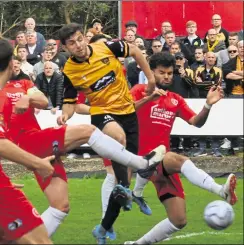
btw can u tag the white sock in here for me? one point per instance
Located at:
(158, 233)
(200, 178)
(139, 186)
(52, 218)
(107, 188)
(109, 148)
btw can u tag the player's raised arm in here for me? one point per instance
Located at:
(214, 95)
(34, 98)
(136, 53)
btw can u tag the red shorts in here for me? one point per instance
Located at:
(167, 184)
(107, 162)
(40, 143)
(17, 215)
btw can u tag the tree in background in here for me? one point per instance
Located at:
(50, 16)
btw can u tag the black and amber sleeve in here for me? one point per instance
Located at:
(118, 48)
(70, 93)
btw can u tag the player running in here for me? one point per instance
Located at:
(25, 131)
(19, 221)
(156, 115)
(95, 70)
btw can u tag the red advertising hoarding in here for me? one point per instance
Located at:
(149, 15)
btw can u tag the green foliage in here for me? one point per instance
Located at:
(51, 15)
(85, 213)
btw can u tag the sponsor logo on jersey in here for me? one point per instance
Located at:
(174, 102)
(15, 224)
(103, 82)
(162, 114)
(14, 96)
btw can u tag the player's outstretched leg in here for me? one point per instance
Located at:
(137, 195)
(175, 163)
(107, 147)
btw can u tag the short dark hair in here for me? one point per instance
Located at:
(68, 30)
(6, 53)
(164, 59)
(97, 37)
(16, 57)
(21, 46)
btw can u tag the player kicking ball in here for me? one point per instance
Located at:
(25, 131)
(156, 114)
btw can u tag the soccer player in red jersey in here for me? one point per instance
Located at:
(25, 131)
(19, 220)
(156, 115)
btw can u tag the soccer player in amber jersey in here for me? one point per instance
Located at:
(19, 220)
(156, 115)
(25, 131)
(95, 70)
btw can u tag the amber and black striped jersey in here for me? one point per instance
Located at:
(209, 78)
(101, 79)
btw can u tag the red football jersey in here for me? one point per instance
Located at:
(15, 89)
(156, 118)
(5, 114)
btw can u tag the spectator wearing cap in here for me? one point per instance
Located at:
(183, 78)
(132, 25)
(192, 41)
(165, 26)
(224, 56)
(221, 33)
(57, 58)
(97, 25)
(213, 44)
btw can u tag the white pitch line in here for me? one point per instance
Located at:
(202, 233)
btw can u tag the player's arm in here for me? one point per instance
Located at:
(136, 53)
(214, 95)
(34, 98)
(140, 97)
(69, 101)
(123, 49)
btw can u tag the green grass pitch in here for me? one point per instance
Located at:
(85, 213)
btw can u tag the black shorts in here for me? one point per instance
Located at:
(128, 122)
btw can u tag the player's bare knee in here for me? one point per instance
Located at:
(86, 130)
(120, 137)
(62, 206)
(179, 221)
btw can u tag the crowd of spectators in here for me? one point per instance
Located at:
(215, 59)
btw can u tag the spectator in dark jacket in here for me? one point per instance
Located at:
(51, 84)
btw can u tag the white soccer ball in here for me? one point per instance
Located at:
(219, 215)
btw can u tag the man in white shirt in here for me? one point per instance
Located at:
(26, 67)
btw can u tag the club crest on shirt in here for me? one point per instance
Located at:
(105, 61)
(17, 85)
(174, 102)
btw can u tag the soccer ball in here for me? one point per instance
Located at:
(219, 215)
